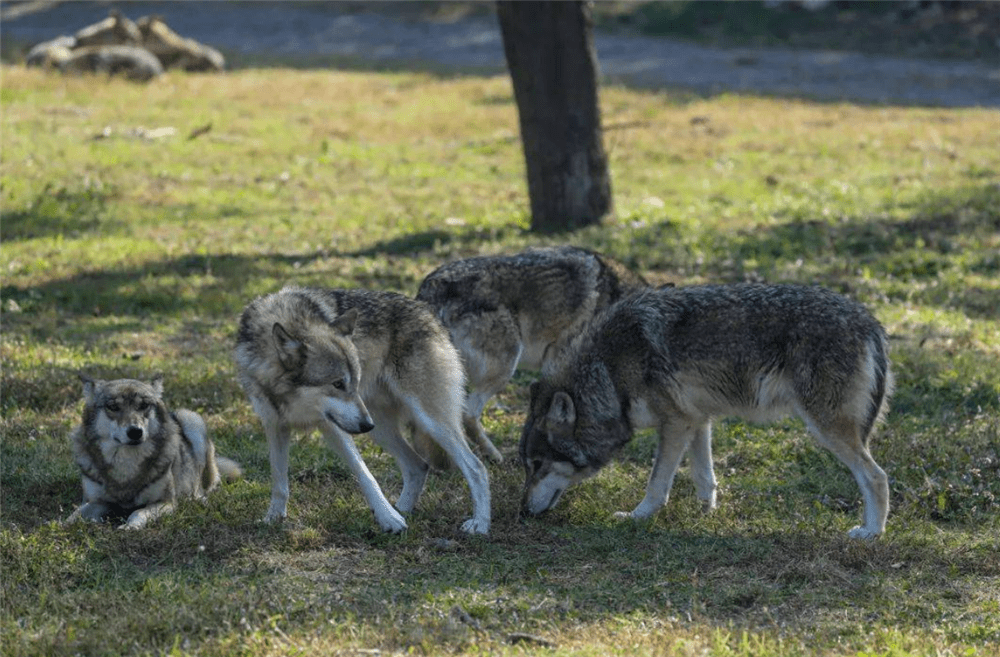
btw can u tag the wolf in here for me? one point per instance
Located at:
(674, 358)
(137, 457)
(510, 311)
(351, 362)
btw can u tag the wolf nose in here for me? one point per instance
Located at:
(134, 435)
(365, 427)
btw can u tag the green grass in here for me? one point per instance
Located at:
(125, 257)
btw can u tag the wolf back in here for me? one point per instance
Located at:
(357, 361)
(676, 357)
(138, 458)
(510, 311)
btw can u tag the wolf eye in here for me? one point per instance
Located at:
(112, 406)
(142, 406)
(339, 384)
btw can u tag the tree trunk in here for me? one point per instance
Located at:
(553, 67)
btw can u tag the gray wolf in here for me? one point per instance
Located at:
(674, 358)
(350, 362)
(137, 457)
(510, 311)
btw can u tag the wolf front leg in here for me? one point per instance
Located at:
(279, 439)
(385, 515)
(90, 511)
(674, 441)
(141, 517)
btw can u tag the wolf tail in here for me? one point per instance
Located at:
(882, 383)
(229, 470)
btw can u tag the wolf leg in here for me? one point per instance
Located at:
(674, 441)
(412, 466)
(449, 436)
(90, 511)
(472, 420)
(341, 443)
(489, 365)
(140, 517)
(702, 471)
(843, 439)
(279, 441)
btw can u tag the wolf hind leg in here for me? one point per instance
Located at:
(473, 423)
(702, 471)
(674, 441)
(343, 445)
(843, 438)
(451, 439)
(489, 367)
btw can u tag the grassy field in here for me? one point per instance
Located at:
(130, 249)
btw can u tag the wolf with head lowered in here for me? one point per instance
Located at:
(674, 358)
(510, 311)
(136, 457)
(351, 362)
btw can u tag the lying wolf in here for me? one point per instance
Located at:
(510, 311)
(351, 362)
(136, 457)
(674, 358)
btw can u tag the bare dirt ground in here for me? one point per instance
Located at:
(301, 33)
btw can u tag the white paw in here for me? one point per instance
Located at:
(863, 534)
(623, 515)
(473, 526)
(273, 517)
(392, 522)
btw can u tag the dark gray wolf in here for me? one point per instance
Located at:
(137, 457)
(349, 362)
(510, 311)
(673, 358)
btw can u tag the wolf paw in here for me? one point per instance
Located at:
(473, 526)
(624, 515)
(273, 518)
(392, 523)
(863, 534)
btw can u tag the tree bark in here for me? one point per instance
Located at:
(553, 66)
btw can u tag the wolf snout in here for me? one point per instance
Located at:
(134, 435)
(365, 426)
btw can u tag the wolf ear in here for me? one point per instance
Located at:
(89, 386)
(562, 414)
(289, 349)
(344, 324)
(157, 384)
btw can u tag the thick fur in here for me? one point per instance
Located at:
(510, 311)
(349, 362)
(138, 458)
(674, 358)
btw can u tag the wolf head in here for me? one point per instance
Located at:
(321, 363)
(126, 411)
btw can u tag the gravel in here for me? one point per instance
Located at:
(293, 29)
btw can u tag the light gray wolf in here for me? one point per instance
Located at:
(510, 311)
(175, 51)
(138, 458)
(350, 362)
(674, 358)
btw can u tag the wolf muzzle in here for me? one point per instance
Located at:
(134, 434)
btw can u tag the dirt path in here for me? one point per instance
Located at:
(304, 29)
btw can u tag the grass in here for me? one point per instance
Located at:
(125, 256)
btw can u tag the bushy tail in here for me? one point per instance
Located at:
(229, 470)
(883, 384)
